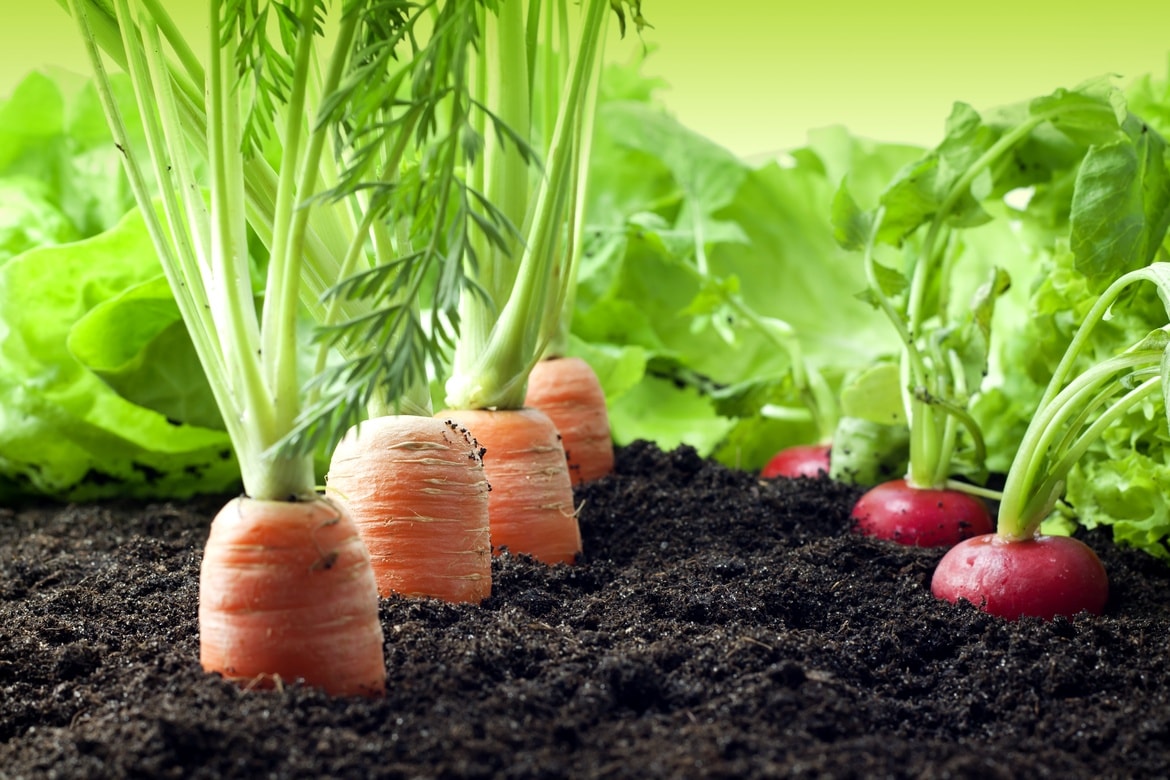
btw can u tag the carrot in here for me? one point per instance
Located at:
(567, 390)
(286, 592)
(530, 506)
(418, 494)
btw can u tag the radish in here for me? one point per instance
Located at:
(1016, 572)
(920, 219)
(926, 508)
(1040, 577)
(920, 517)
(803, 460)
(1118, 218)
(942, 361)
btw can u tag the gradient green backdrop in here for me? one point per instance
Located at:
(757, 75)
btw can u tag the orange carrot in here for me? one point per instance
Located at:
(531, 502)
(418, 494)
(286, 592)
(567, 390)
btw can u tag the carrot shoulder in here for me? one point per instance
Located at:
(418, 494)
(285, 593)
(567, 390)
(531, 501)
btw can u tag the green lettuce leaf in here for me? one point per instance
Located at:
(659, 410)
(30, 219)
(1123, 484)
(137, 344)
(1121, 207)
(63, 431)
(701, 262)
(55, 145)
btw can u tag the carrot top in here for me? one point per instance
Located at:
(340, 155)
(526, 276)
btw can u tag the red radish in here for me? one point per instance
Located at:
(1041, 577)
(1016, 572)
(803, 460)
(920, 517)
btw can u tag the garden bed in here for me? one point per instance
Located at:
(718, 626)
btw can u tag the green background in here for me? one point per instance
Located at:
(756, 75)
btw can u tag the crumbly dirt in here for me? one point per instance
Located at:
(718, 626)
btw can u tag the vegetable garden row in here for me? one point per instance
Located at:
(406, 273)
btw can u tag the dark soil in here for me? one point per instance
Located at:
(718, 627)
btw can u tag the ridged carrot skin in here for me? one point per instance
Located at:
(286, 592)
(531, 501)
(568, 391)
(418, 493)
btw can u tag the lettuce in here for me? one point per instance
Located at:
(676, 227)
(1123, 483)
(60, 173)
(63, 431)
(136, 342)
(98, 381)
(30, 219)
